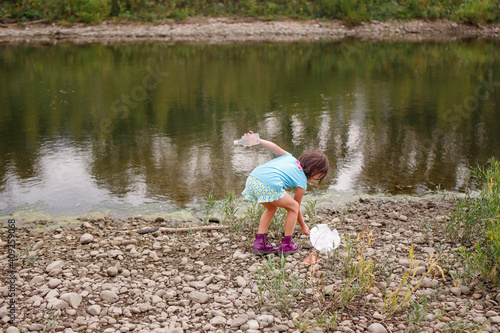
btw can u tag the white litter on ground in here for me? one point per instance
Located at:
(322, 237)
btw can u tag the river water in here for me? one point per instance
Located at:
(86, 126)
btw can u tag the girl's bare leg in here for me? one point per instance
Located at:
(267, 217)
(292, 207)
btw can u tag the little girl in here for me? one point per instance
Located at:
(266, 184)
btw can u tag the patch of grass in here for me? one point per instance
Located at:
(51, 319)
(276, 288)
(327, 320)
(418, 311)
(252, 216)
(310, 207)
(209, 206)
(399, 299)
(229, 210)
(356, 271)
(426, 224)
(28, 259)
(462, 326)
(476, 222)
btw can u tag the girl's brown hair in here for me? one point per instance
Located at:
(313, 163)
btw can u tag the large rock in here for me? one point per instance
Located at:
(52, 294)
(94, 310)
(112, 271)
(35, 327)
(456, 291)
(109, 296)
(34, 300)
(37, 279)
(57, 304)
(38, 245)
(199, 297)
(56, 265)
(218, 321)
(114, 253)
(241, 282)
(157, 299)
(253, 324)
(4, 311)
(198, 284)
(393, 215)
(73, 299)
(265, 320)
(240, 320)
(86, 238)
(428, 283)
(53, 283)
(144, 307)
(377, 328)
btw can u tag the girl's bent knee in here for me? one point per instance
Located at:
(293, 208)
(272, 210)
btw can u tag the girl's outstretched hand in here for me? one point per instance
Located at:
(247, 134)
(305, 229)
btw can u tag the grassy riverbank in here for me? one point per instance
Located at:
(351, 12)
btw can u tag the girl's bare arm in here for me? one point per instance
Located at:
(277, 150)
(299, 193)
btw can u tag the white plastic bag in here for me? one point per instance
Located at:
(322, 237)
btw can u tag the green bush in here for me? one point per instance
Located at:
(352, 12)
(477, 11)
(476, 222)
(355, 11)
(25, 10)
(86, 11)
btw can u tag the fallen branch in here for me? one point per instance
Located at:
(203, 228)
(174, 230)
(34, 22)
(148, 230)
(7, 25)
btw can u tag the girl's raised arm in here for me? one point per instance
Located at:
(277, 150)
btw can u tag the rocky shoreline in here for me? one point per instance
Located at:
(224, 30)
(116, 275)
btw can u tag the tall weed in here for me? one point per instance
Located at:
(476, 221)
(356, 271)
(276, 288)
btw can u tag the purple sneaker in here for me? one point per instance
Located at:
(287, 247)
(261, 246)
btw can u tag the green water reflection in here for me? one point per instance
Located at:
(84, 124)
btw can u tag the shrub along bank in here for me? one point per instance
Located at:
(476, 221)
(352, 12)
